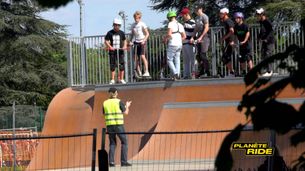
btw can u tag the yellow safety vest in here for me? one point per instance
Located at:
(112, 112)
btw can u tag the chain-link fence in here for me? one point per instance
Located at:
(25, 116)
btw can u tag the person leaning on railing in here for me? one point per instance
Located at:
(114, 110)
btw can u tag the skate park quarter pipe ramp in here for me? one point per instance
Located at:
(156, 106)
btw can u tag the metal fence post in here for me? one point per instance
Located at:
(83, 62)
(102, 154)
(213, 54)
(126, 66)
(70, 63)
(272, 141)
(14, 135)
(93, 149)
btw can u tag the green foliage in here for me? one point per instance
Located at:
(32, 55)
(53, 3)
(50, 4)
(277, 10)
(261, 104)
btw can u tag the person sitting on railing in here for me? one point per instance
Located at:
(114, 110)
(242, 32)
(175, 35)
(115, 41)
(139, 36)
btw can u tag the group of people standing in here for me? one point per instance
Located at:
(192, 35)
(190, 38)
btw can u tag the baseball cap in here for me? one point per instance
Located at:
(224, 10)
(184, 11)
(112, 90)
(260, 11)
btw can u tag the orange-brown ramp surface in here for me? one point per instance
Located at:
(190, 117)
(79, 110)
(202, 147)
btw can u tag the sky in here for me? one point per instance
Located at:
(99, 14)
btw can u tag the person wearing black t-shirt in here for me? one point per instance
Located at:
(267, 38)
(241, 30)
(228, 38)
(115, 41)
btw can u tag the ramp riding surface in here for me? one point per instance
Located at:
(78, 110)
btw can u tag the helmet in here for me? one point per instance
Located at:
(260, 11)
(224, 10)
(171, 14)
(239, 15)
(117, 21)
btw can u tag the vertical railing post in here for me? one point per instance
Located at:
(70, 63)
(131, 66)
(126, 66)
(213, 49)
(272, 140)
(93, 149)
(14, 136)
(83, 62)
(102, 154)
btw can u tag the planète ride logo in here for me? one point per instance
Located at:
(254, 149)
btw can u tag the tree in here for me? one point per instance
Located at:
(32, 54)
(277, 10)
(264, 110)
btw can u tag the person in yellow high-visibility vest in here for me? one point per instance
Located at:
(114, 111)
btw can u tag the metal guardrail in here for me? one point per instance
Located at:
(197, 150)
(88, 60)
(25, 147)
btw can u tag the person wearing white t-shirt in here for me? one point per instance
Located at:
(174, 37)
(139, 37)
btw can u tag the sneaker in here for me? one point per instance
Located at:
(230, 75)
(176, 77)
(146, 74)
(111, 165)
(111, 82)
(123, 81)
(203, 75)
(126, 164)
(136, 74)
(267, 74)
(243, 73)
(193, 76)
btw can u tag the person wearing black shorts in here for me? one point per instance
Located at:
(229, 40)
(115, 40)
(139, 37)
(241, 30)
